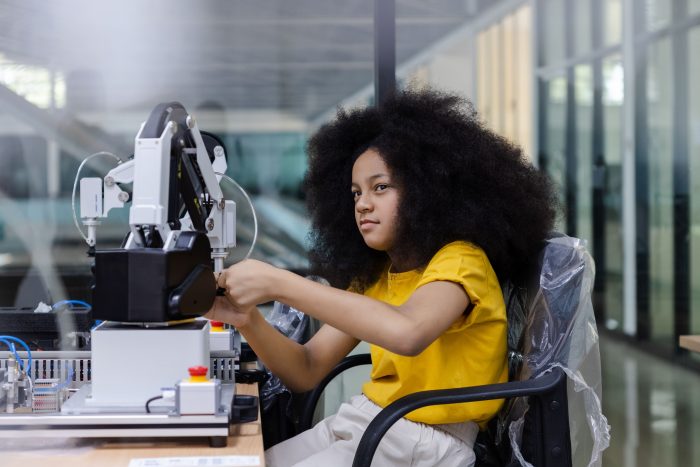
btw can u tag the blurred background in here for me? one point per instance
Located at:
(601, 94)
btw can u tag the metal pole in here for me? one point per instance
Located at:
(384, 49)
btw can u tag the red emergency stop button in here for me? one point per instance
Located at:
(198, 374)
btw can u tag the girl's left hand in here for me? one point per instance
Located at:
(223, 310)
(249, 283)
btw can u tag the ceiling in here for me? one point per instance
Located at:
(300, 57)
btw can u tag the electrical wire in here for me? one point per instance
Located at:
(148, 402)
(69, 378)
(75, 185)
(72, 302)
(13, 350)
(252, 209)
(28, 368)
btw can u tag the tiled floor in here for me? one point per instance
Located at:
(653, 408)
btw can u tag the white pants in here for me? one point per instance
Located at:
(333, 441)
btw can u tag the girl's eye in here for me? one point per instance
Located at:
(381, 187)
(355, 194)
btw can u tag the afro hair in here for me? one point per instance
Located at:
(459, 181)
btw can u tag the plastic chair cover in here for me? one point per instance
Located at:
(557, 328)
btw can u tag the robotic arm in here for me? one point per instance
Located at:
(179, 223)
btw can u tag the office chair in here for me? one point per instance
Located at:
(551, 331)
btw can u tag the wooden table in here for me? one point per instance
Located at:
(245, 440)
(690, 343)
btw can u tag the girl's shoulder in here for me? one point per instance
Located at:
(460, 256)
(464, 263)
(459, 248)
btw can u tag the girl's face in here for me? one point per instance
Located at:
(376, 198)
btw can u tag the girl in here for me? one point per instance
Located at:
(417, 212)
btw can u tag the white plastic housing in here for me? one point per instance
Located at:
(201, 398)
(132, 364)
(221, 340)
(90, 197)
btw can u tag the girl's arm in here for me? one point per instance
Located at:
(300, 367)
(406, 330)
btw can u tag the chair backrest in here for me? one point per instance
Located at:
(565, 280)
(542, 324)
(542, 312)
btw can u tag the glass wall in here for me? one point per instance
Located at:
(504, 77)
(580, 133)
(581, 146)
(693, 141)
(660, 187)
(495, 72)
(553, 43)
(583, 31)
(79, 77)
(607, 189)
(583, 92)
(552, 156)
(657, 14)
(612, 22)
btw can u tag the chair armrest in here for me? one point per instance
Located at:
(314, 395)
(393, 412)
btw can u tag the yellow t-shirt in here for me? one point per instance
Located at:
(471, 352)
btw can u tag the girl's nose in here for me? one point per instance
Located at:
(363, 204)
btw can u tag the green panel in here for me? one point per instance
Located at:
(659, 95)
(583, 88)
(613, 96)
(694, 179)
(554, 144)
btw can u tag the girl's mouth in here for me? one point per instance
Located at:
(366, 224)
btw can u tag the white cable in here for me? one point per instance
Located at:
(75, 185)
(31, 387)
(252, 209)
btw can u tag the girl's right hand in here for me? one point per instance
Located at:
(224, 310)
